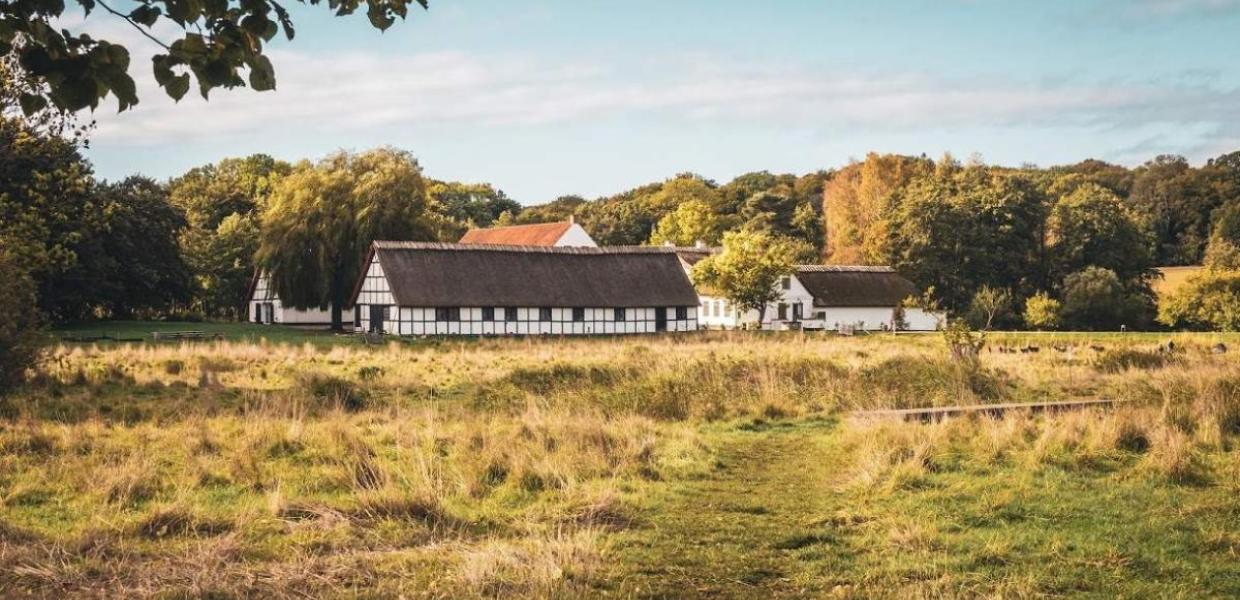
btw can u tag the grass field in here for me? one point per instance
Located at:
(292, 464)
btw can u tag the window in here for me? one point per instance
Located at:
(783, 311)
(579, 314)
(488, 313)
(544, 314)
(619, 314)
(785, 282)
(510, 314)
(682, 313)
(448, 313)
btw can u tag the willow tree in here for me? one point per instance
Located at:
(322, 218)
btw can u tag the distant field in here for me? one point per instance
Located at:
(238, 332)
(722, 464)
(1173, 278)
(250, 332)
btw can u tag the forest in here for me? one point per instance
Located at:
(1072, 246)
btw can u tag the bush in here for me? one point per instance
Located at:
(1115, 361)
(335, 390)
(19, 323)
(1209, 300)
(1042, 312)
(1096, 299)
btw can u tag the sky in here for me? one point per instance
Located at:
(544, 98)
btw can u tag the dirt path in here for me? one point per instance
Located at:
(742, 531)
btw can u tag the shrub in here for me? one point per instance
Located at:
(20, 342)
(1042, 311)
(1122, 359)
(335, 390)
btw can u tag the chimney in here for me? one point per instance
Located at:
(572, 219)
(699, 244)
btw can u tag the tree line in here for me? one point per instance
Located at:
(1069, 246)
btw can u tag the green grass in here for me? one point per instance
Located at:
(236, 332)
(776, 517)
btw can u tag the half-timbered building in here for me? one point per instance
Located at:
(263, 306)
(425, 288)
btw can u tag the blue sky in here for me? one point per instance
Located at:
(591, 97)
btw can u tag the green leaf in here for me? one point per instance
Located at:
(262, 74)
(145, 14)
(163, 69)
(32, 103)
(178, 86)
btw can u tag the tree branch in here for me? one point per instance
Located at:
(140, 29)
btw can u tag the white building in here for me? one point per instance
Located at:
(422, 288)
(264, 306)
(835, 298)
(563, 234)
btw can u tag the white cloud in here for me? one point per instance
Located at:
(351, 92)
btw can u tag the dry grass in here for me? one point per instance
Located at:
(500, 468)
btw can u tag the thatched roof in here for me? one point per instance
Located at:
(539, 234)
(692, 255)
(833, 285)
(436, 274)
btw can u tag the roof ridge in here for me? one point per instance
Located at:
(459, 247)
(845, 268)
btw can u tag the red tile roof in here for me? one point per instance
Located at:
(541, 234)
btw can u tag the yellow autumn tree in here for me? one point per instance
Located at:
(856, 202)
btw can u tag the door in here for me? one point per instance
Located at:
(660, 319)
(269, 313)
(796, 311)
(376, 318)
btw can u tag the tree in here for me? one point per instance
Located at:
(988, 306)
(221, 203)
(321, 220)
(470, 204)
(693, 221)
(961, 229)
(138, 266)
(1092, 227)
(1174, 202)
(557, 210)
(1208, 300)
(857, 201)
(1042, 311)
(218, 41)
(1223, 250)
(1096, 299)
(47, 213)
(749, 267)
(19, 320)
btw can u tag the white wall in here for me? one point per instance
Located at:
(862, 318)
(408, 320)
(577, 237)
(917, 319)
(264, 294)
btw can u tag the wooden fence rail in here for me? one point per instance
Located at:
(938, 413)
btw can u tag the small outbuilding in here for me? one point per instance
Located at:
(425, 288)
(830, 297)
(263, 306)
